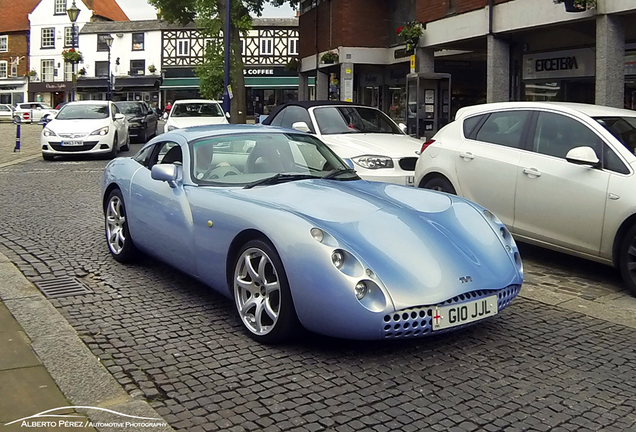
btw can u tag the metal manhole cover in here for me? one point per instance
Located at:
(62, 287)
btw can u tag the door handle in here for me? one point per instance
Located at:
(532, 172)
(467, 156)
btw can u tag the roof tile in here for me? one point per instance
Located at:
(14, 14)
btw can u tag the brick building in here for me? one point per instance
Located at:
(14, 50)
(495, 50)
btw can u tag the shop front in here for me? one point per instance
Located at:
(52, 93)
(13, 91)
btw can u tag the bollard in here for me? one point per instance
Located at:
(17, 120)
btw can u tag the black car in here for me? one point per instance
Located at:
(142, 120)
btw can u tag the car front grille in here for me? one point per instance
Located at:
(417, 321)
(408, 163)
(88, 145)
(72, 135)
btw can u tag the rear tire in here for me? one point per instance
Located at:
(628, 260)
(440, 184)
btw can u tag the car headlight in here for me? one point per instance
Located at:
(171, 127)
(103, 131)
(48, 132)
(361, 290)
(373, 162)
(337, 258)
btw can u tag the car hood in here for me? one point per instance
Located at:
(356, 144)
(77, 126)
(420, 244)
(183, 122)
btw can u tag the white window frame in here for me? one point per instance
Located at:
(68, 71)
(44, 66)
(60, 7)
(68, 36)
(4, 43)
(292, 46)
(183, 47)
(4, 65)
(266, 46)
(50, 30)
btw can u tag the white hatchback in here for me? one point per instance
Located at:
(85, 127)
(366, 138)
(195, 112)
(559, 175)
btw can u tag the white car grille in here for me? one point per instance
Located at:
(72, 135)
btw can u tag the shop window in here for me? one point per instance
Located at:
(48, 37)
(101, 68)
(47, 70)
(3, 69)
(266, 46)
(137, 67)
(557, 134)
(183, 47)
(137, 41)
(503, 128)
(4, 43)
(60, 7)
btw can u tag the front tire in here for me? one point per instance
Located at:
(47, 157)
(118, 237)
(262, 296)
(126, 146)
(113, 152)
(440, 184)
(628, 260)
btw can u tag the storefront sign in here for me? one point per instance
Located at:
(268, 71)
(560, 64)
(259, 72)
(2, 87)
(50, 86)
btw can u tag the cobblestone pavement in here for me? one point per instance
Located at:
(169, 340)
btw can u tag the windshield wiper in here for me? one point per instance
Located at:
(334, 173)
(279, 178)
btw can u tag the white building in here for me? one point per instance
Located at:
(51, 33)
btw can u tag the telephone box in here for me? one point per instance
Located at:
(428, 103)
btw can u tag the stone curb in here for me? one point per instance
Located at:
(83, 380)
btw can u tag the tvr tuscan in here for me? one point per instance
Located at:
(272, 218)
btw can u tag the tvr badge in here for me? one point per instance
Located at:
(465, 279)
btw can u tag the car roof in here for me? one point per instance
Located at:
(307, 105)
(88, 102)
(586, 109)
(196, 132)
(194, 101)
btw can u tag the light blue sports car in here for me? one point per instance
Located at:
(275, 220)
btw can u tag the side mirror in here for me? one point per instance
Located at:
(46, 118)
(119, 116)
(402, 127)
(583, 156)
(165, 116)
(165, 172)
(227, 115)
(301, 126)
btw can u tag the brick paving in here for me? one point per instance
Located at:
(173, 342)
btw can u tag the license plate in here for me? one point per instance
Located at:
(72, 143)
(410, 181)
(464, 313)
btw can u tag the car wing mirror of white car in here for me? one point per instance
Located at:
(165, 172)
(583, 156)
(227, 115)
(301, 126)
(119, 116)
(402, 127)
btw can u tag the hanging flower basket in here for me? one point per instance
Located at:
(31, 73)
(577, 5)
(70, 55)
(329, 57)
(410, 33)
(152, 69)
(82, 72)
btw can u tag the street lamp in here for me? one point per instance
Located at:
(73, 13)
(109, 41)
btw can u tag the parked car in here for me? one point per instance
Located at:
(85, 127)
(366, 138)
(559, 175)
(195, 112)
(273, 219)
(142, 120)
(6, 112)
(33, 111)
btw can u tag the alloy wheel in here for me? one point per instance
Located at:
(115, 221)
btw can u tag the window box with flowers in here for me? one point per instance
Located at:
(577, 5)
(31, 73)
(70, 55)
(410, 34)
(329, 57)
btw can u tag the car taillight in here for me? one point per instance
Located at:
(426, 144)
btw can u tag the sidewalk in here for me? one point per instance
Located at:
(45, 365)
(29, 143)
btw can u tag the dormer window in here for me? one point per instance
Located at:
(60, 7)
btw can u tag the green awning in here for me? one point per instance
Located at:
(180, 83)
(253, 82)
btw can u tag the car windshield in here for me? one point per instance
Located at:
(345, 119)
(249, 159)
(197, 109)
(623, 128)
(83, 112)
(130, 108)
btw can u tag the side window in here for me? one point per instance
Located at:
(612, 162)
(504, 128)
(143, 157)
(470, 123)
(557, 134)
(278, 120)
(295, 114)
(169, 152)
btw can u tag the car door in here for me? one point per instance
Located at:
(120, 125)
(160, 216)
(556, 201)
(486, 162)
